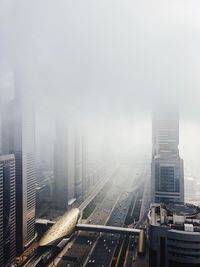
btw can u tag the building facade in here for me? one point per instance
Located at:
(64, 166)
(44, 193)
(174, 235)
(167, 177)
(18, 138)
(78, 166)
(7, 210)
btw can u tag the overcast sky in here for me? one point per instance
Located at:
(106, 60)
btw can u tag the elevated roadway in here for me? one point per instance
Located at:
(107, 229)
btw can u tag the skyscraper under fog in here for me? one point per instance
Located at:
(64, 166)
(18, 136)
(81, 179)
(7, 210)
(167, 181)
(78, 165)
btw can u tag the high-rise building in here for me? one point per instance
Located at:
(165, 131)
(167, 181)
(18, 136)
(44, 193)
(45, 150)
(0, 136)
(85, 182)
(174, 235)
(7, 210)
(78, 165)
(64, 166)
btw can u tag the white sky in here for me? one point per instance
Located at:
(107, 60)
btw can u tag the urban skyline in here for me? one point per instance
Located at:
(99, 133)
(69, 179)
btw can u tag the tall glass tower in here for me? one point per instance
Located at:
(18, 138)
(167, 178)
(7, 210)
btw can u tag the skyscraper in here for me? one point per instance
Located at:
(78, 165)
(167, 181)
(85, 183)
(64, 166)
(18, 136)
(7, 210)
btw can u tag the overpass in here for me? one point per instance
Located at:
(44, 222)
(107, 229)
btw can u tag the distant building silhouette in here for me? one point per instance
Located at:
(7, 210)
(78, 165)
(64, 166)
(167, 181)
(84, 169)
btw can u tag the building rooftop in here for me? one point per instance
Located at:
(6, 157)
(184, 217)
(182, 209)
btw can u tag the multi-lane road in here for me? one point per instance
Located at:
(91, 249)
(33, 255)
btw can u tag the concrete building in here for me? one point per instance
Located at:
(64, 166)
(18, 138)
(85, 183)
(165, 129)
(7, 210)
(45, 151)
(78, 165)
(167, 178)
(0, 135)
(174, 235)
(44, 193)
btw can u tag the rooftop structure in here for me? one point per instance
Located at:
(174, 235)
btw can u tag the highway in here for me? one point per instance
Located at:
(97, 189)
(91, 249)
(83, 243)
(131, 259)
(31, 259)
(99, 216)
(107, 244)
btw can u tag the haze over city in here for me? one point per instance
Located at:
(97, 70)
(105, 60)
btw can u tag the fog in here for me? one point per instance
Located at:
(105, 64)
